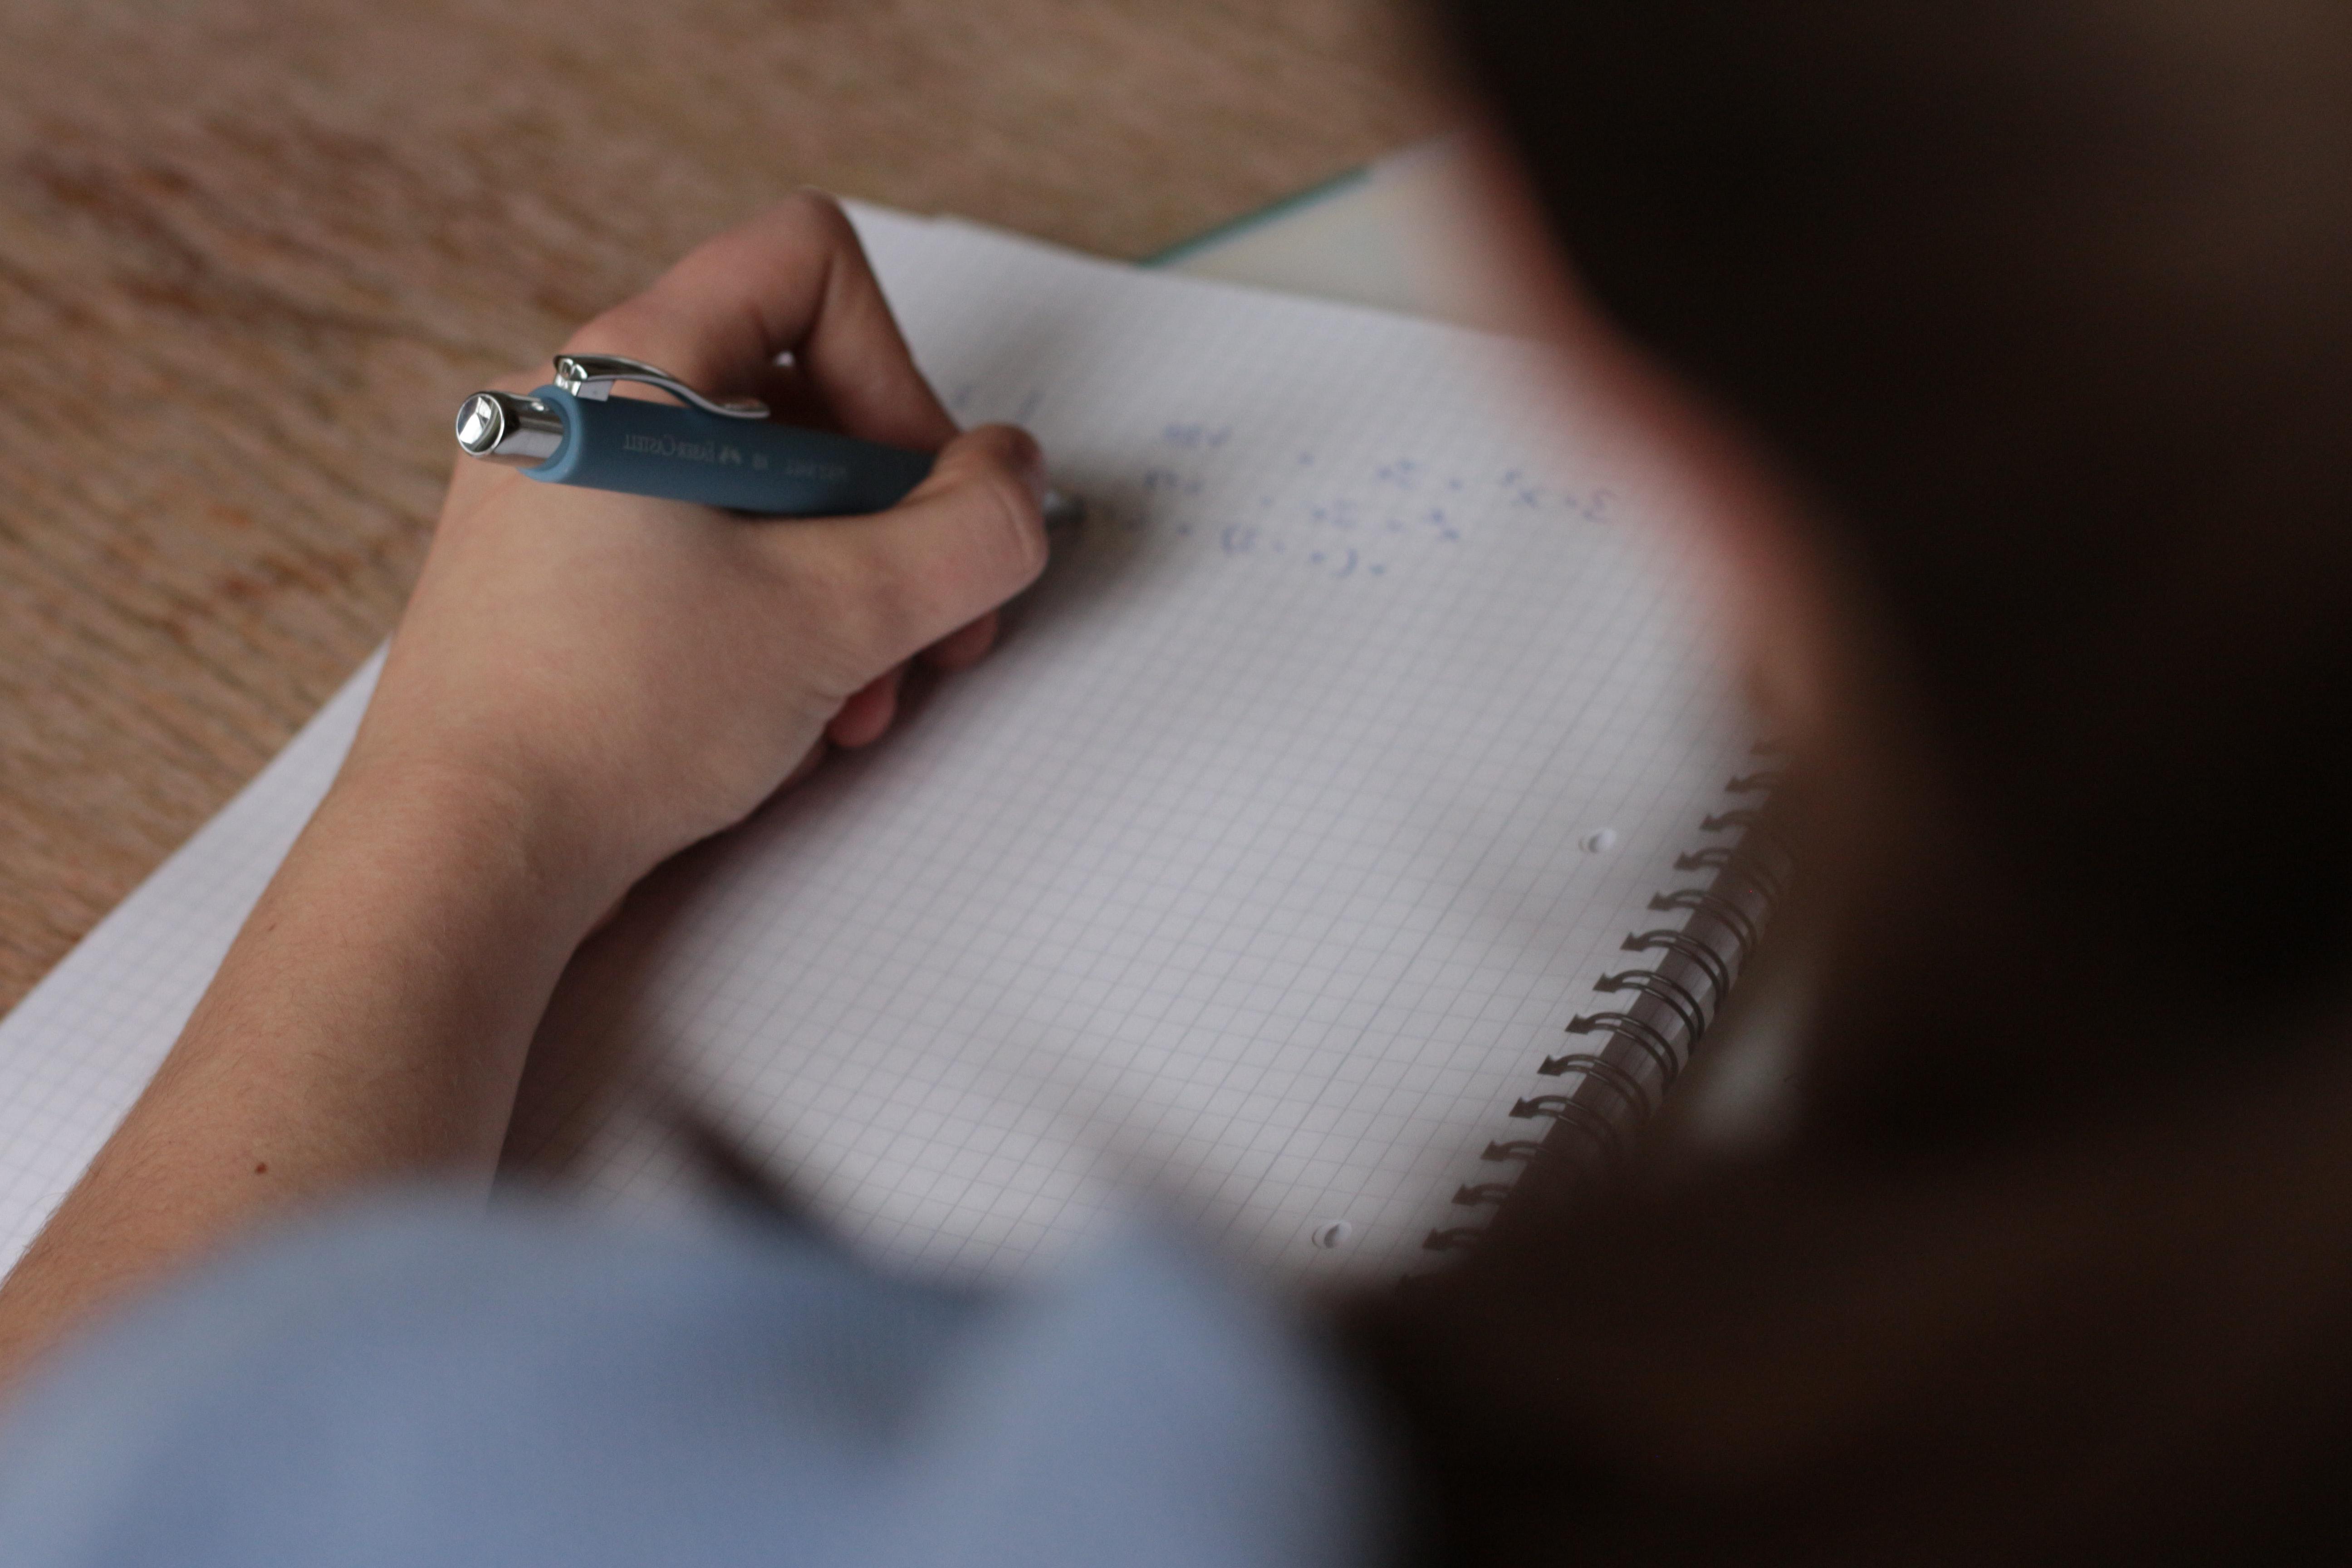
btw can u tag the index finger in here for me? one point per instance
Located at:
(793, 280)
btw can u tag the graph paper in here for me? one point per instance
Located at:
(1249, 881)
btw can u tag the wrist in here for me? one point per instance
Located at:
(483, 837)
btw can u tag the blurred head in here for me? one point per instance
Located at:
(2032, 322)
(2017, 336)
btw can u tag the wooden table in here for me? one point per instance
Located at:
(252, 252)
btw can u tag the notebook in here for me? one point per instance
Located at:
(1254, 880)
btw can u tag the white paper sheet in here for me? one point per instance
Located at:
(1247, 879)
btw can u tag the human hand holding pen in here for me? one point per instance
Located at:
(583, 683)
(662, 667)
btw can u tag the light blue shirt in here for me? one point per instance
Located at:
(415, 1383)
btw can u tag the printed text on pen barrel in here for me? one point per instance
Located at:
(726, 455)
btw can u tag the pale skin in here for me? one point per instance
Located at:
(585, 684)
(582, 685)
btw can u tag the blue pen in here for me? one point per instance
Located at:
(721, 452)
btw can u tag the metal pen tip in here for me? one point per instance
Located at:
(1066, 514)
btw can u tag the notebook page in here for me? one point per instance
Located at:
(74, 1053)
(1247, 881)
(78, 1049)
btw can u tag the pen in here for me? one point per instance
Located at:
(721, 452)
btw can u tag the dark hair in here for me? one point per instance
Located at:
(2046, 302)
(2045, 306)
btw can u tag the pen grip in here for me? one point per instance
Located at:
(756, 466)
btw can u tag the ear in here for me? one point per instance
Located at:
(1780, 602)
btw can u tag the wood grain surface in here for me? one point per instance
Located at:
(252, 254)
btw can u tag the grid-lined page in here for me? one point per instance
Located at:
(76, 1051)
(1250, 874)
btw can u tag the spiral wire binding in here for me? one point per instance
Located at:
(1567, 1110)
(1726, 912)
(1645, 1036)
(1603, 1071)
(1717, 971)
(1617, 1086)
(1733, 862)
(1455, 1240)
(1673, 993)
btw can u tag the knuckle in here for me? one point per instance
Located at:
(1011, 447)
(984, 546)
(633, 324)
(807, 222)
(1006, 529)
(660, 328)
(818, 211)
(848, 621)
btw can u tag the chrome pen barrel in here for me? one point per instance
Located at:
(506, 428)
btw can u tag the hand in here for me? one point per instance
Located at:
(583, 684)
(626, 676)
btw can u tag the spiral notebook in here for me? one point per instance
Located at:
(1314, 798)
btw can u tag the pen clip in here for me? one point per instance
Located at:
(592, 376)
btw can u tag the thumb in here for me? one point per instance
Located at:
(964, 540)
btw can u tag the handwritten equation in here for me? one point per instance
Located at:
(1341, 517)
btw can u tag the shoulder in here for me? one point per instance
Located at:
(419, 1381)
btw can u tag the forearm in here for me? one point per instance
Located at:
(370, 1024)
(582, 683)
